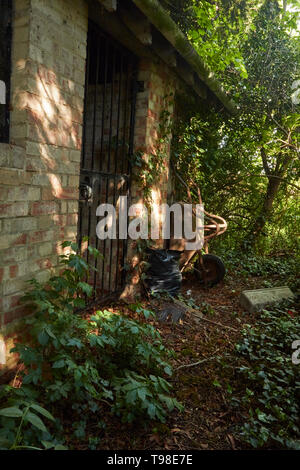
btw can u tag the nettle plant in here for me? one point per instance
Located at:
(74, 365)
(272, 388)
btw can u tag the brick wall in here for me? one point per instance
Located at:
(40, 166)
(159, 82)
(39, 177)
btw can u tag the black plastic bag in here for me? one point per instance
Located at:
(163, 274)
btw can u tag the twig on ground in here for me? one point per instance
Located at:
(215, 323)
(197, 363)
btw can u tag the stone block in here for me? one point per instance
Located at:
(257, 299)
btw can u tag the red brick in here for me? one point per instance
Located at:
(44, 263)
(13, 271)
(16, 209)
(15, 300)
(39, 236)
(69, 193)
(47, 194)
(43, 208)
(20, 240)
(15, 314)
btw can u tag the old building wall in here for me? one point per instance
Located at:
(41, 163)
(40, 167)
(155, 102)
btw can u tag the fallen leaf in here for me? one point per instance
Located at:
(203, 446)
(231, 440)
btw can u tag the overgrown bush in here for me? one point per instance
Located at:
(74, 365)
(271, 393)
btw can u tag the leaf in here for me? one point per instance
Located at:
(11, 412)
(86, 288)
(42, 411)
(43, 338)
(142, 393)
(75, 342)
(79, 302)
(47, 444)
(58, 364)
(35, 421)
(134, 329)
(74, 246)
(66, 243)
(50, 333)
(216, 383)
(131, 396)
(151, 410)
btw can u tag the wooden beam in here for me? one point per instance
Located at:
(200, 87)
(153, 10)
(109, 5)
(185, 71)
(164, 50)
(138, 24)
(112, 25)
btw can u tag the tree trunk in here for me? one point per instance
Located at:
(274, 181)
(266, 210)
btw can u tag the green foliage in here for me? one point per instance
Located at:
(216, 29)
(22, 425)
(247, 166)
(68, 290)
(271, 381)
(75, 366)
(281, 269)
(137, 395)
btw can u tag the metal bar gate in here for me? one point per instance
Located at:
(109, 114)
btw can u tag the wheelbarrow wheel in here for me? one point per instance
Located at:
(214, 270)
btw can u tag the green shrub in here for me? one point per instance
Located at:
(271, 390)
(74, 365)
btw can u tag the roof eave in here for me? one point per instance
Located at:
(168, 28)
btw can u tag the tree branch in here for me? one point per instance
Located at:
(264, 160)
(277, 177)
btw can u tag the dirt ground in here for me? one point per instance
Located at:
(208, 420)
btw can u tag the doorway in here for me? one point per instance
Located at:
(108, 132)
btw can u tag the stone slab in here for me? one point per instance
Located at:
(257, 299)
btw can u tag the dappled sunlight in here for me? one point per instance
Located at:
(53, 132)
(156, 216)
(56, 185)
(84, 247)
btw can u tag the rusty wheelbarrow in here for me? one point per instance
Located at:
(208, 268)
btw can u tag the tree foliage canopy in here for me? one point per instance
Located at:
(248, 165)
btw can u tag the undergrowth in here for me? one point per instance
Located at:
(283, 268)
(76, 368)
(268, 380)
